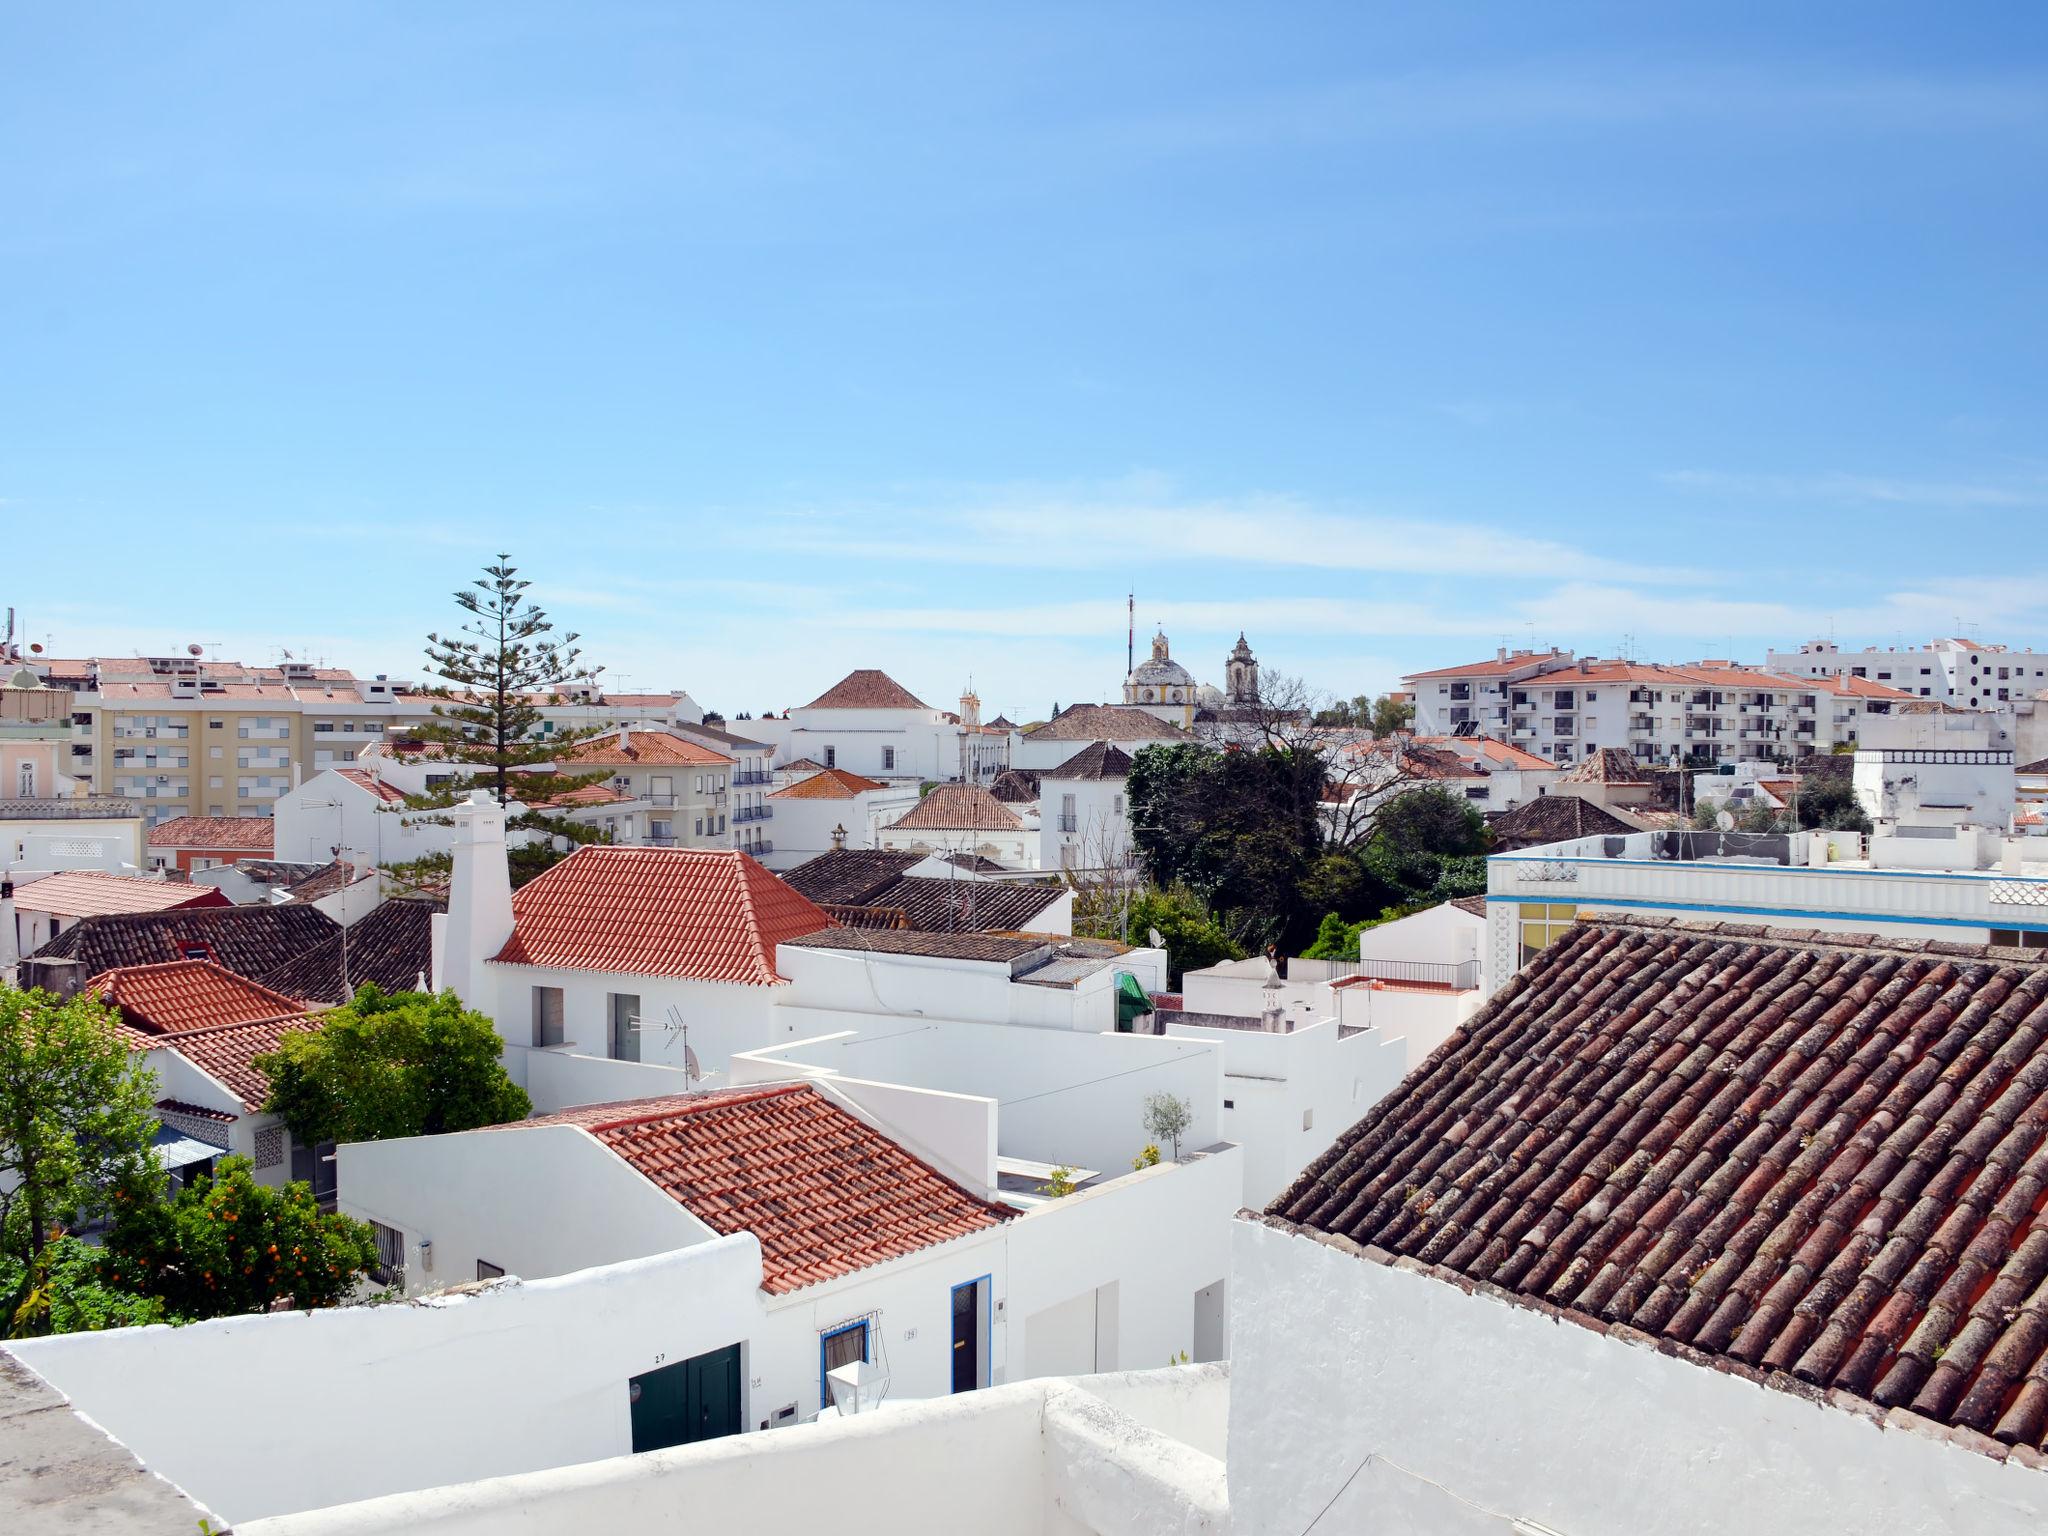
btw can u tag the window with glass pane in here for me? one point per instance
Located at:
(1542, 925)
(625, 1010)
(547, 1016)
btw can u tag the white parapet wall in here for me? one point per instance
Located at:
(263, 1415)
(1369, 1398)
(1130, 1455)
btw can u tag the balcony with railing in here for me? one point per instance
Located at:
(1461, 976)
(752, 813)
(1070, 823)
(742, 779)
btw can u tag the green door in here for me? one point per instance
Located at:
(694, 1399)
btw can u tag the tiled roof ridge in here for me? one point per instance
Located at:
(1697, 1133)
(1821, 940)
(678, 1105)
(169, 1038)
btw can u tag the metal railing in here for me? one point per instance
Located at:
(1461, 976)
(752, 813)
(1070, 823)
(740, 779)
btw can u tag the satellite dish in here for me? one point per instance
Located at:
(1725, 822)
(195, 650)
(1157, 942)
(35, 648)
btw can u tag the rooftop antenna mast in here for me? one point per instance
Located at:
(1131, 634)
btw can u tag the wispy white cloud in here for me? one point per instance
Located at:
(1871, 490)
(1058, 529)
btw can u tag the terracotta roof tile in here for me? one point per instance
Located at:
(1097, 760)
(828, 784)
(390, 947)
(709, 914)
(867, 688)
(251, 941)
(823, 1193)
(227, 1052)
(643, 749)
(1609, 765)
(1554, 819)
(1775, 1152)
(92, 893)
(1106, 722)
(255, 834)
(1015, 786)
(188, 994)
(959, 808)
(848, 875)
(390, 794)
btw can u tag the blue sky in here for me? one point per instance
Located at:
(774, 341)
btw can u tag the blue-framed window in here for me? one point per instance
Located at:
(841, 1346)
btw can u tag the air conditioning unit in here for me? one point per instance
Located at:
(149, 730)
(163, 778)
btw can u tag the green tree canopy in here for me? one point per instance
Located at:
(77, 1118)
(1191, 937)
(392, 1064)
(229, 1245)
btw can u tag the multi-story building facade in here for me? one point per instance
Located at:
(184, 736)
(1566, 708)
(1966, 673)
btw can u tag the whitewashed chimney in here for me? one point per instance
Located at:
(479, 900)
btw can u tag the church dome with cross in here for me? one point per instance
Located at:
(1160, 684)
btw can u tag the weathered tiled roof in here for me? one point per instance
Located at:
(390, 947)
(959, 808)
(1777, 1151)
(867, 688)
(823, 1193)
(92, 893)
(1553, 819)
(1608, 765)
(848, 875)
(250, 941)
(1097, 760)
(1106, 722)
(257, 834)
(994, 947)
(188, 994)
(1015, 786)
(936, 905)
(708, 914)
(363, 779)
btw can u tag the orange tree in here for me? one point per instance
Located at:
(228, 1245)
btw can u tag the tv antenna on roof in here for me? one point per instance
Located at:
(692, 1073)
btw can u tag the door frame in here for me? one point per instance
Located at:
(985, 1315)
(867, 1353)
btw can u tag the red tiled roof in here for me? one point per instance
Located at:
(588, 795)
(1775, 1151)
(1863, 688)
(188, 994)
(959, 808)
(1500, 754)
(1106, 722)
(867, 688)
(92, 893)
(254, 834)
(195, 1111)
(390, 794)
(1491, 668)
(708, 914)
(1608, 765)
(227, 1052)
(823, 1193)
(828, 784)
(644, 749)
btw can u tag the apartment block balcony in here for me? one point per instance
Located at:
(1070, 823)
(741, 780)
(752, 813)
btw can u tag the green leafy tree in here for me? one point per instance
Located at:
(64, 1289)
(1830, 804)
(1191, 937)
(392, 1064)
(1335, 939)
(77, 1119)
(1390, 714)
(229, 1245)
(1167, 1118)
(495, 672)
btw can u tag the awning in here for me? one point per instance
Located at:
(1131, 1001)
(174, 1149)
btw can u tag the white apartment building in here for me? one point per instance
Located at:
(1565, 708)
(1966, 673)
(870, 724)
